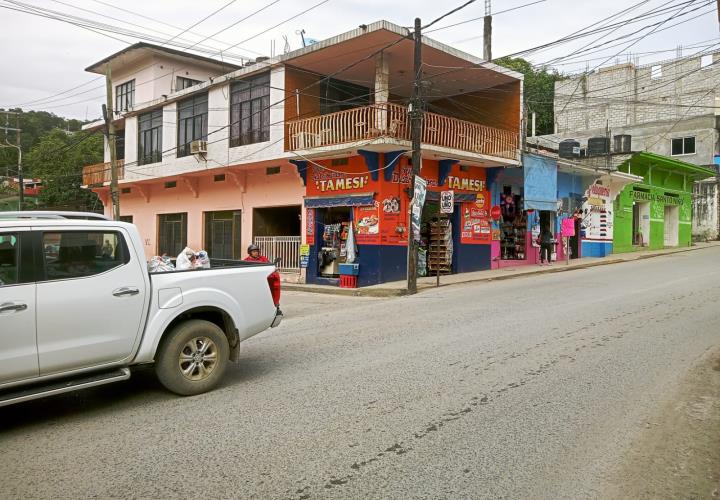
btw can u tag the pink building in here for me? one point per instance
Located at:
(217, 156)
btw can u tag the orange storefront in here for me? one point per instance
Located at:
(370, 194)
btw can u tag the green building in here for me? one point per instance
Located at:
(656, 213)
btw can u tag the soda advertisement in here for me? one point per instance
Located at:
(475, 220)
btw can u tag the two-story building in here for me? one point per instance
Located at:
(299, 148)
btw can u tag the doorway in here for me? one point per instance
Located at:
(641, 224)
(672, 225)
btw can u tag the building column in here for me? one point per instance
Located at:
(382, 92)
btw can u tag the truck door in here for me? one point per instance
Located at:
(18, 347)
(91, 300)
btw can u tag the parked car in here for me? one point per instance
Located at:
(78, 308)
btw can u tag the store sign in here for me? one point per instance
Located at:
(495, 212)
(464, 184)
(660, 198)
(310, 226)
(342, 183)
(417, 205)
(447, 202)
(304, 256)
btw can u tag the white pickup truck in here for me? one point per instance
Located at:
(78, 308)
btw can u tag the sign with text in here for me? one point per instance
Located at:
(447, 202)
(419, 194)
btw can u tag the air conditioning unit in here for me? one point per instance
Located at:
(198, 147)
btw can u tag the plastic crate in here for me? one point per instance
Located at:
(350, 269)
(348, 281)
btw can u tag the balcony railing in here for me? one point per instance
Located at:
(100, 173)
(392, 120)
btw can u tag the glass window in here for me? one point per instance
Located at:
(683, 146)
(126, 218)
(337, 95)
(150, 137)
(183, 83)
(9, 253)
(125, 96)
(77, 254)
(688, 145)
(222, 234)
(250, 111)
(172, 234)
(192, 122)
(656, 71)
(706, 61)
(120, 144)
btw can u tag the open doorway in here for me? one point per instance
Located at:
(276, 221)
(641, 224)
(672, 225)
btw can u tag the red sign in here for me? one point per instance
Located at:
(495, 212)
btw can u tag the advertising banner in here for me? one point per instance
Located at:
(447, 202)
(417, 205)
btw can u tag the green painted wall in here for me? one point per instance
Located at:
(660, 190)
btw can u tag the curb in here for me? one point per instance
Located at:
(399, 292)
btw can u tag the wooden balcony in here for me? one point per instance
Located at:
(392, 121)
(100, 173)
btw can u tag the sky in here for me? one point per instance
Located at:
(42, 57)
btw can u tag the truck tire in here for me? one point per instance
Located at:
(192, 358)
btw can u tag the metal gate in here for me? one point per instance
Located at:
(285, 248)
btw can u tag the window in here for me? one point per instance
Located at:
(125, 96)
(272, 170)
(9, 252)
(126, 218)
(683, 146)
(120, 144)
(250, 111)
(656, 71)
(192, 122)
(219, 177)
(183, 83)
(222, 234)
(337, 95)
(170, 184)
(126, 190)
(77, 254)
(150, 137)
(706, 61)
(172, 233)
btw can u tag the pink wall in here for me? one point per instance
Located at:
(245, 190)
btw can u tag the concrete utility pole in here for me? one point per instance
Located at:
(16, 129)
(110, 136)
(487, 32)
(416, 116)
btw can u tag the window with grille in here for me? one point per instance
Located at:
(192, 122)
(125, 96)
(683, 146)
(222, 234)
(183, 83)
(337, 95)
(172, 233)
(250, 111)
(150, 137)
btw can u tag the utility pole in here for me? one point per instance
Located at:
(487, 32)
(16, 129)
(110, 136)
(416, 116)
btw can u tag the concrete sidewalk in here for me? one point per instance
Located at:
(398, 288)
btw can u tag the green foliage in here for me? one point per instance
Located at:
(539, 92)
(58, 159)
(34, 125)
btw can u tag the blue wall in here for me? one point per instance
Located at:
(596, 248)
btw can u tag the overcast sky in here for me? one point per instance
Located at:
(41, 57)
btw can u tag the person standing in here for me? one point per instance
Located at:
(546, 243)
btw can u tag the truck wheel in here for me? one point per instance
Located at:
(192, 358)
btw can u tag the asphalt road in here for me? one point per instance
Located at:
(528, 388)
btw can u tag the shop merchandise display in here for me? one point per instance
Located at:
(513, 228)
(440, 249)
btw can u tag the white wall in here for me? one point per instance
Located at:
(219, 152)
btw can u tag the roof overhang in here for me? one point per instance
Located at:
(652, 160)
(142, 49)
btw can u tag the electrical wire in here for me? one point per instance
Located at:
(225, 6)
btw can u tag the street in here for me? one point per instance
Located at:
(538, 387)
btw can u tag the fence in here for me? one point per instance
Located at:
(285, 248)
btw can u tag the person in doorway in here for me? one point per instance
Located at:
(254, 255)
(546, 243)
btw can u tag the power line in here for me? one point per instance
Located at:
(483, 17)
(202, 20)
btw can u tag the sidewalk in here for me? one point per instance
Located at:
(397, 288)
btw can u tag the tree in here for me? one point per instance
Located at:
(539, 92)
(58, 159)
(34, 125)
